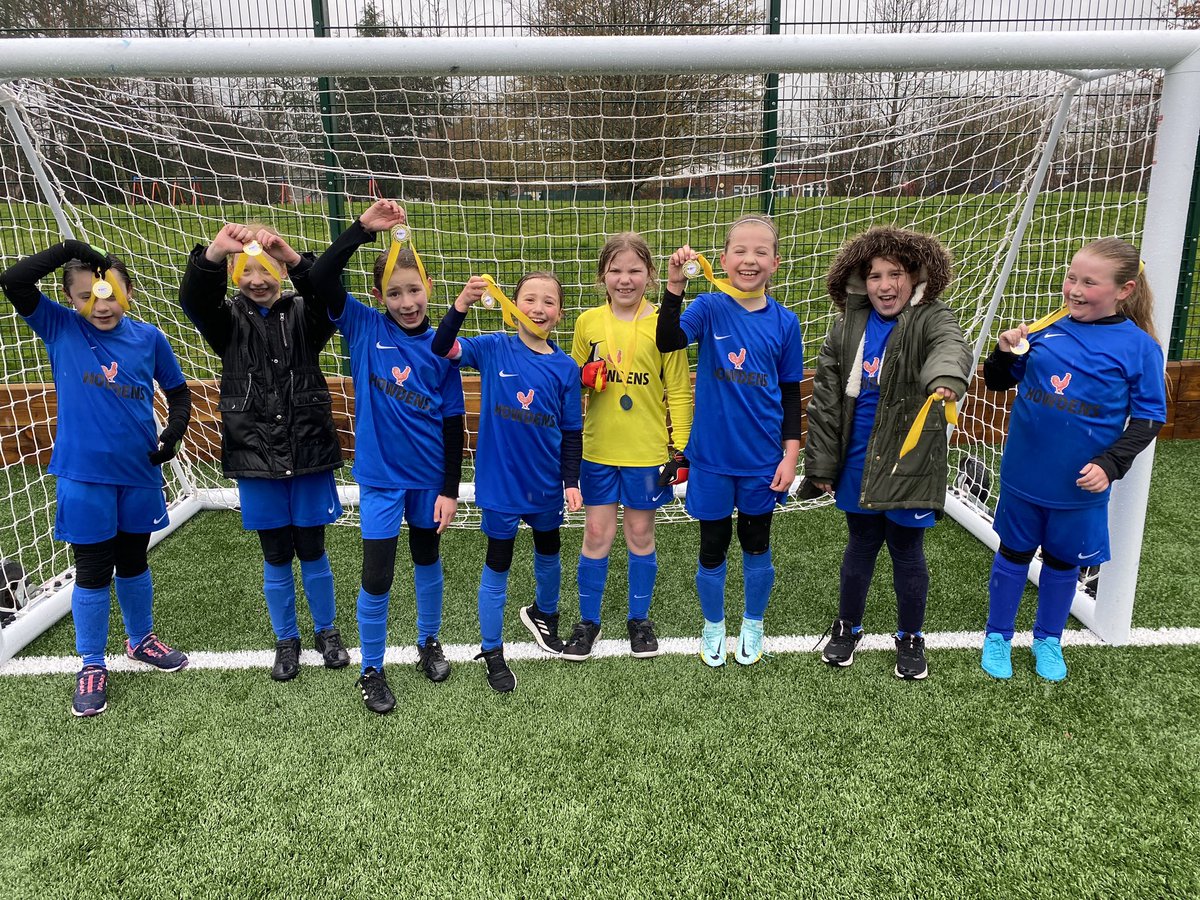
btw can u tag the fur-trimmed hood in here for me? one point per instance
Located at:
(932, 259)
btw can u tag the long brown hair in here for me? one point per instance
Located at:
(1138, 307)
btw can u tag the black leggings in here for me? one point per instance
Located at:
(500, 550)
(754, 534)
(910, 573)
(279, 545)
(379, 557)
(95, 563)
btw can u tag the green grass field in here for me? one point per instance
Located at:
(621, 777)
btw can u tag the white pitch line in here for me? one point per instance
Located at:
(527, 650)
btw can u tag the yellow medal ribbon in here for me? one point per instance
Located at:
(512, 315)
(102, 289)
(254, 249)
(611, 346)
(402, 235)
(1041, 324)
(723, 284)
(914, 433)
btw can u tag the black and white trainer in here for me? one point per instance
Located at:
(432, 661)
(333, 651)
(543, 627)
(839, 651)
(579, 646)
(910, 658)
(376, 694)
(499, 675)
(643, 642)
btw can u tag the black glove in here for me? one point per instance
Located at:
(100, 261)
(675, 471)
(168, 446)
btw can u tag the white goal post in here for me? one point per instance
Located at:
(1015, 148)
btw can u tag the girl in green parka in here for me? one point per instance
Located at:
(893, 345)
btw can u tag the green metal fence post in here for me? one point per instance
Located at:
(770, 120)
(1187, 268)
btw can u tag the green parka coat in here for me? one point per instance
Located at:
(926, 351)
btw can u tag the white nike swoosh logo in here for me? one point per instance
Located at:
(1060, 334)
(922, 515)
(379, 346)
(721, 337)
(330, 510)
(160, 518)
(504, 374)
(1090, 555)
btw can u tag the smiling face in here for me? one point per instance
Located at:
(106, 313)
(1091, 290)
(750, 257)
(540, 298)
(256, 282)
(406, 297)
(889, 286)
(625, 280)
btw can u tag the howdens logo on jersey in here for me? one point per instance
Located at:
(737, 375)
(107, 379)
(397, 391)
(1060, 384)
(1056, 400)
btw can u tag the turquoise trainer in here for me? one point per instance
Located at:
(712, 643)
(1047, 652)
(750, 643)
(997, 656)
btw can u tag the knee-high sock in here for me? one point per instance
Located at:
(318, 588)
(493, 592)
(1056, 590)
(710, 585)
(280, 590)
(643, 570)
(89, 609)
(547, 576)
(758, 577)
(1005, 587)
(135, 596)
(372, 627)
(591, 576)
(429, 584)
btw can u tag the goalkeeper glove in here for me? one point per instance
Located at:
(168, 446)
(675, 471)
(595, 375)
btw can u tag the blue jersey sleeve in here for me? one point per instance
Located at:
(695, 319)
(791, 359)
(48, 319)
(476, 351)
(451, 390)
(352, 317)
(166, 365)
(1147, 386)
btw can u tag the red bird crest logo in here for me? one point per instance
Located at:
(1060, 384)
(871, 367)
(617, 357)
(110, 372)
(737, 358)
(401, 376)
(526, 397)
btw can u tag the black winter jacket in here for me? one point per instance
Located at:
(276, 410)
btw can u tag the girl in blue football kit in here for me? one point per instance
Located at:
(107, 449)
(1091, 396)
(527, 456)
(894, 344)
(277, 434)
(745, 440)
(408, 440)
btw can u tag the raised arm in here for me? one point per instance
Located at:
(20, 280)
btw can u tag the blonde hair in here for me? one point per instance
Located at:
(756, 219)
(626, 240)
(1138, 307)
(530, 276)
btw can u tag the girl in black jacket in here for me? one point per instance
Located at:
(277, 434)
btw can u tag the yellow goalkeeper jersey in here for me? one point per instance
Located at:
(653, 381)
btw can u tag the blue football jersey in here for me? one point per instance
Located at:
(402, 392)
(744, 357)
(104, 381)
(1079, 384)
(875, 341)
(527, 401)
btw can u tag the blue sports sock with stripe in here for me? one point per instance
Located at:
(429, 584)
(643, 571)
(1005, 587)
(372, 627)
(710, 585)
(592, 576)
(317, 577)
(758, 577)
(493, 592)
(135, 596)
(89, 609)
(280, 590)
(547, 576)
(1056, 592)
